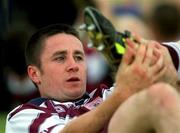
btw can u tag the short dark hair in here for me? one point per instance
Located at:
(35, 46)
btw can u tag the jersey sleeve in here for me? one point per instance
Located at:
(174, 49)
(34, 121)
(107, 92)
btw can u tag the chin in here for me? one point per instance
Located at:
(78, 94)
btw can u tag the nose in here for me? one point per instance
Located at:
(72, 66)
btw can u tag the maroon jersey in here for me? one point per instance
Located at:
(43, 115)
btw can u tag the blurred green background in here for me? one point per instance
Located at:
(2, 121)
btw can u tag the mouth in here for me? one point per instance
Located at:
(73, 79)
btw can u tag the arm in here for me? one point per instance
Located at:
(94, 121)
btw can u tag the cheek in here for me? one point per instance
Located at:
(56, 76)
(53, 70)
(84, 70)
(53, 82)
(53, 74)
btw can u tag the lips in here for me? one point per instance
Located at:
(73, 79)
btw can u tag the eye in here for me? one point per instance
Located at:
(79, 58)
(60, 58)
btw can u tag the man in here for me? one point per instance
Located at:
(57, 66)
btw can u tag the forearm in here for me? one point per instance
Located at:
(94, 121)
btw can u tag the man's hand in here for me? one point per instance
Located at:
(170, 75)
(140, 67)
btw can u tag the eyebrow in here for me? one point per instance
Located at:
(79, 52)
(59, 53)
(76, 52)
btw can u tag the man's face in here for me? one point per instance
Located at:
(63, 75)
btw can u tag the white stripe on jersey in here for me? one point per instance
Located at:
(25, 118)
(54, 120)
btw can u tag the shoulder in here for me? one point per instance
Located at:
(32, 116)
(29, 107)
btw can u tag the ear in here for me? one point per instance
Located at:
(34, 74)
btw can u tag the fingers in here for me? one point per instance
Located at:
(156, 51)
(140, 54)
(131, 44)
(129, 55)
(159, 66)
(144, 52)
(136, 38)
(160, 74)
(149, 55)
